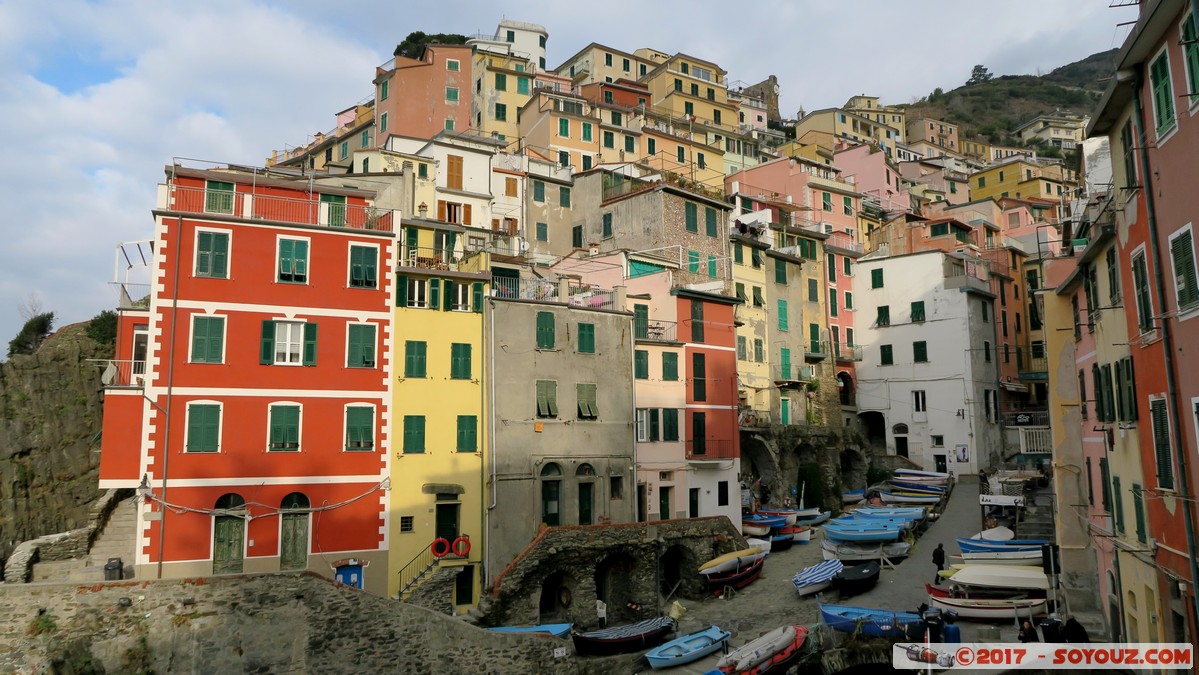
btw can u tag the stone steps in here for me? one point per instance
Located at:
(118, 539)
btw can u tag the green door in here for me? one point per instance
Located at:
(227, 545)
(664, 503)
(693, 503)
(447, 522)
(585, 503)
(293, 545)
(784, 363)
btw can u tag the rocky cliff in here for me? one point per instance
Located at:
(50, 406)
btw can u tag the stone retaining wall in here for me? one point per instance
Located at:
(283, 623)
(18, 569)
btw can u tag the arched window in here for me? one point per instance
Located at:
(585, 470)
(551, 494)
(900, 429)
(295, 500)
(551, 469)
(230, 501)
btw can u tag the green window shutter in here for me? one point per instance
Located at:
(401, 290)
(693, 261)
(357, 271)
(538, 191)
(670, 424)
(1109, 398)
(755, 257)
(1185, 283)
(585, 402)
(782, 315)
(564, 127)
(564, 197)
(885, 356)
(1161, 443)
(759, 350)
(780, 272)
(547, 398)
(699, 376)
(848, 300)
(543, 232)
(1190, 52)
(884, 315)
(670, 366)
(785, 363)
(477, 296)
(1106, 486)
(434, 293)
(1097, 381)
(832, 302)
(876, 277)
(545, 330)
(641, 364)
(1131, 383)
(848, 265)
(587, 338)
(920, 351)
(640, 322)
(691, 213)
(831, 264)
(203, 428)
(468, 433)
(654, 424)
(1121, 393)
(741, 347)
(285, 427)
(199, 340)
(415, 358)
(218, 197)
(447, 292)
(630, 144)
(310, 344)
(699, 434)
(266, 354)
(712, 266)
(813, 290)
(918, 311)
(738, 253)
(814, 336)
(1118, 515)
(785, 411)
(208, 339)
(460, 361)
(360, 423)
(710, 220)
(414, 433)
(360, 352)
(1138, 506)
(697, 321)
(739, 288)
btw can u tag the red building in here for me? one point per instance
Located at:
(249, 395)
(1148, 116)
(712, 431)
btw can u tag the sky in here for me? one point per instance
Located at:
(98, 97)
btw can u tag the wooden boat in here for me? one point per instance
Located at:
(1017, 557)
(788, 515)
(781, 541)
(750, 528)
(688, 648)
(876, 534)
(908, 498)
(853, 496)
(738, 580)
(816, 519)
(623, 639)
(996, 534)
(731, 561)
(854, 519)
(799, 533)
(833, 550)
(1001, 576)
(762, 519)
(873, 622)
(773, 652)
(975, 593)
(941, 475)
(982, 545)
(919, 488)
(554, 629)
(816, 578)
(857, 579)
(762, 545)
(988, 609)
(917, 512)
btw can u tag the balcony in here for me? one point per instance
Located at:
(543, 290)
(792, 375)
(654, 330)
(426, 258)
(524, 289)
(1026, 418)
(709, 450)
(815, 350)
(1035, 368)
(123, 373)
(280, 209)
(1037, 440)
(846, 353)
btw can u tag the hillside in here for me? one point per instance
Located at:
(991, 109)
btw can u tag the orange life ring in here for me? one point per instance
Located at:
(461, 547)
(440, 547)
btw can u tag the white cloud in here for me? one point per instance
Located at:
(138, 82)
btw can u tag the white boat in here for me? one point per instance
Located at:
(732, 561)
(925, 474)
(1001, 576)
(908, 498)
(999, 558)
(754, 529)
(1000, 533)
(802, 535)
(762, 545)
(752, 652)
(991, 609)
(816, 578)
(833, 550)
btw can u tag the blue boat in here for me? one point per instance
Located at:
(868, 516)
(688, 648)
(781, 542)
(986, 545)
(847, 523)
(853, 496)
(555, 629)
(917, 487)
(814, 520)
(874, 622)
(768, 521)
(854, 520)
(839, 533)
(916, 511)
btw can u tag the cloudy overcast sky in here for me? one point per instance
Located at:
(98, 96)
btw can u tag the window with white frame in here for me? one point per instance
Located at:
(642, 425)
(289, 342)
(919, 402)
(203, 431)
(460, 298)
(418, 292)
(283, 433)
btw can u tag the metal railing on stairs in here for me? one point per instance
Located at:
(415, 571)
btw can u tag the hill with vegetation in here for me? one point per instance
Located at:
(989, 108)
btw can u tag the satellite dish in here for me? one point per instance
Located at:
(524, 245)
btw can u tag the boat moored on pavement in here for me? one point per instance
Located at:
(983, 545)
(687, 648)
(991, 609)
(773, 652)
(739, 579)
(624, 639)
(857, 579)
(816, 578)
(555, 629)
(1016, 557)
(873, 622)
(847, 552)
(731, 561)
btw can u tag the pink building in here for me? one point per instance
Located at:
(422, 97)
(872, 173)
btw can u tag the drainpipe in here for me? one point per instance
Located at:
(489, 329)
(166, 439)
(1167, 345)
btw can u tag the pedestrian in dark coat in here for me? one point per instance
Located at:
(1073, 631)
(1027, 632)
(939, 561)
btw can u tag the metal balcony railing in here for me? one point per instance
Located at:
(592, 298)
(665, 331)
(708, 448)
(123, 373)
(792, 373)
(1026, 418)
(524, 289)
(281, 209)
(132, 296)
(817, 349)
(1035, 364)
(423, 257)
(844, 352)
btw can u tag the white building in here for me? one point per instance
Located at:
(929, 375)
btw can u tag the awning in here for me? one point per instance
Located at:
(1015, 386)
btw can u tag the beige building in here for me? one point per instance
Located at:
(934, 132)
(1058, 129)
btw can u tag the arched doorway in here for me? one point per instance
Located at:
(551, 494)
(293, 532)
(585, 476)
(845, 388)
(900, 433)
(676, 574)
(854, 466)
(229, 535)
(557, 596)
(612, 583)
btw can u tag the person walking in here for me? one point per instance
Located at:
(939, 561)
(1027, 632)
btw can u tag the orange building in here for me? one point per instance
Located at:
(423, 96)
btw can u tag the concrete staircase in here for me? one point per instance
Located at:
(116, 540)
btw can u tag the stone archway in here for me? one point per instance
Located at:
(876, 430)
(676, 573)
(759, 461)
(854, 465)
(845, 388)
(614, 583)
(557, 598)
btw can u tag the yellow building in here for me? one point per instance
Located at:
(598, 63)
(688, 154)
(503, 85)
(750, 283)
(561, 127)
(869, 107)
(1024, 178)
(440, 437)
(693, 90)
(847, 126)
(977, 150)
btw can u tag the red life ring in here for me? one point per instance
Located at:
(440, 547)
(461, 547)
